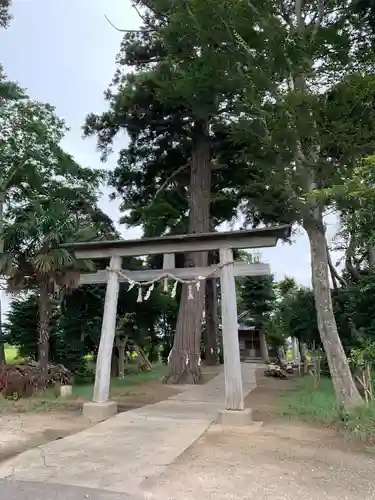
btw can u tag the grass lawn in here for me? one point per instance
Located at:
(119, 386)
(310, 403)
(11, 354)
(121, 390)
(319, 405)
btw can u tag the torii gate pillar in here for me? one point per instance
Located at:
(232, 364)
(101, 407)
(234, 414)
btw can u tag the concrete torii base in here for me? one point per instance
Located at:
(98, 412)
(235, 418)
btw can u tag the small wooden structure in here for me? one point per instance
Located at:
(101, 408)
(252, 341)
(252, 344)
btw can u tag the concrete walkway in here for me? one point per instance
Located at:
(119, 454)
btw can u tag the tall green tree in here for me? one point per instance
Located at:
(29, 134)
(175, 109)
(314, 52)
(34, 260)
(257, 296)
(297, 312)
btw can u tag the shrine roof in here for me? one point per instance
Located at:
(250, 238)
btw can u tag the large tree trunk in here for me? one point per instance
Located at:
(371, 256)
(2, 346)
(184, 361)
(210, 351)
(345, 389)
(43, 341)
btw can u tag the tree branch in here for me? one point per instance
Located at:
(348, 261)
(128, 31)
(143, 18)
(139, 13)
(334, 274)
(318, 18)
(171, 177)
(285, 15)
(299, 15)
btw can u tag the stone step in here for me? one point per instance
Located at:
(253, 360)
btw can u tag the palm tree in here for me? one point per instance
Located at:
(34, 260)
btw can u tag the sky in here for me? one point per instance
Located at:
(63, 52)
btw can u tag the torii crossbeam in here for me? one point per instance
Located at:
(101, 408)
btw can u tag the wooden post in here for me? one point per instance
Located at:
(232, 364)
(103, 363)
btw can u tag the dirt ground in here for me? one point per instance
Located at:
(277, 460)
(25, 430)
(265, 399)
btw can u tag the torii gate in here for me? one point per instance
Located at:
(101, 408)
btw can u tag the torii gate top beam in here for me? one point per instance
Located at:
(253, 238)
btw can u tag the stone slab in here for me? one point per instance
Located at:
(234, 418)
(115, 455)
(254, 427)
(98, 412)
(24, 490)
(195, 410)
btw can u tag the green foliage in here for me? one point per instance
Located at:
(354, 312)
(32, 235)
(20, 329)
(293, 315)
(9, 90)
(366, 9)
(360, 423)
(5, 15)
(355, 199)
(319, 405)
(310, 403)
(29, 138)
(257, 296)
(286, 287)
(180, 77)
(363, 356)
(297, 312)
(80, 320)
(32, 162)
(276, 333)
(76, 324)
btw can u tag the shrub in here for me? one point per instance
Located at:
(24, 380)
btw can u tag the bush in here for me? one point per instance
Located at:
(18, 381)
(24, 380)
(67, 345)
(164, 352)
(85, 375)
